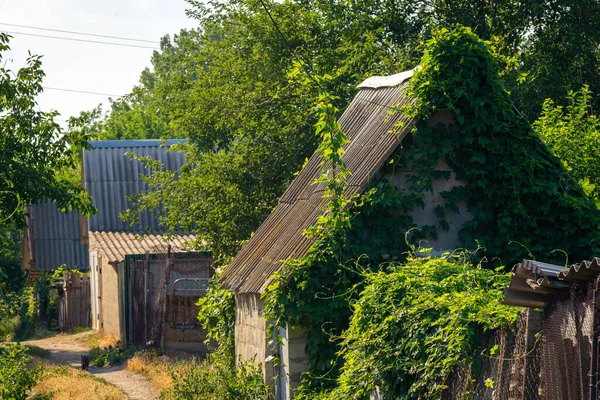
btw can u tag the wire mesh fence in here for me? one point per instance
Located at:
(548, 356)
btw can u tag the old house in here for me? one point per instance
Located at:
(373, 140)
(143, 281)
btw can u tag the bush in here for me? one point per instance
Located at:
(217, 378)
(8, 328)
(414, 326)
(109, 356)
(16, 380)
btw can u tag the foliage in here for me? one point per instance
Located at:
(16, 380)
(573, 135)
(109, 356)
(291, 294)
(417, 323)
(34, 148)
(107, 350)
(59, 273)
(217, 378)
(514, 189)
(11, 276)
(217, 314)
(234, 88)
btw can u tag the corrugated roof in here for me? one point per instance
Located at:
(115, 245)
(368, 126)
(56, 238)
(534, 283)
(100, 144)
(111, 176)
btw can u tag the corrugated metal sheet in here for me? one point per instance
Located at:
(115, 245)
(534, 283)
(56, 238)
(111, 176)
(370, 129)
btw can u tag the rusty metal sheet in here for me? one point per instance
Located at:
(115, 245)
(534, 283)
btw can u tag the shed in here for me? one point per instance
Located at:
(110, 176)
(51, 240)
(374, 137)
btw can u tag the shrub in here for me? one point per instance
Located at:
(16, 380)
(414, 326)
(109, 356)
(216, 378)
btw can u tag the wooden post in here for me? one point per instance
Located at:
(158, 329)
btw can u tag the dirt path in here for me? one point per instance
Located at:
(67, 349)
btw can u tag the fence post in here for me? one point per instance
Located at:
(531, 383)
(596, 332)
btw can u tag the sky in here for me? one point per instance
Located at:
(85, 66)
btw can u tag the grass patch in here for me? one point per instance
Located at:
(37, 352)
(155, 369)
(65, 383)
(103, 341)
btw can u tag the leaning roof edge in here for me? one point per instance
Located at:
(376, 82)
(104, 144)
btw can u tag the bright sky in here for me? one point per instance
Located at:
(85, 66)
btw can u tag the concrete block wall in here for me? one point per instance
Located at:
(251, 332)
(448, 240)
(294, 358)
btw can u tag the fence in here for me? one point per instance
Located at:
(551, 356)
(74, 307)
(161, 295)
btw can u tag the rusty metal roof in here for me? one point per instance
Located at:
(534, 283)
(374, 135)
(115, 245)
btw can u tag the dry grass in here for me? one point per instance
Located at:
(153, 368)
(102, 340)
(64, 383)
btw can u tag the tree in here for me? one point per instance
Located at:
(34, 148)
(235, 87)
(573, 135)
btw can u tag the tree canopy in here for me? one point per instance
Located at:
(573, 135)
(35, 150)
(240, 87)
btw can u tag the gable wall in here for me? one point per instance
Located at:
(426, 216)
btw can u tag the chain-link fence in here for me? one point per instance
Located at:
(549, 356)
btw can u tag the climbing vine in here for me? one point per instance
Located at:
(313, 292)
(514, 189)
(417, 323)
